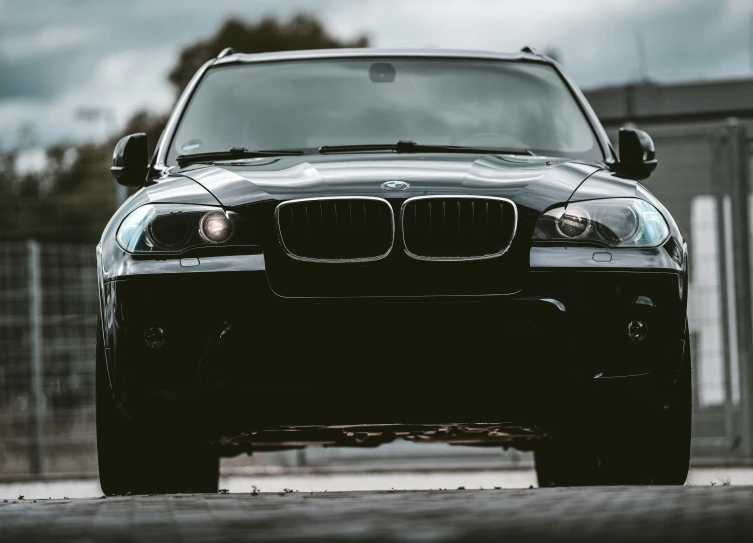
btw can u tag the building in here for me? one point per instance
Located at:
(703, 132)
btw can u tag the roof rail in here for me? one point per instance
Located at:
(225, 52)
(530, 50)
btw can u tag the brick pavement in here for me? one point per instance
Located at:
(688, 514)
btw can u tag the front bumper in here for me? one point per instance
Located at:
(236, 352)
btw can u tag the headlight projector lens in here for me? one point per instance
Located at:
(215, 227)
(169, 231)
(618, 223)
(574, 222)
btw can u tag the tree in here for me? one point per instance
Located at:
(80, 199)
(150, 123)
(302, 31)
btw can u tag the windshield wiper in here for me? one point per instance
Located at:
(413, 147)
(234, 153)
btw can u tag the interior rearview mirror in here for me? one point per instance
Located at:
(130, 160)
(637, 154)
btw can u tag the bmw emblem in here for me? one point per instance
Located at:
(393, 186)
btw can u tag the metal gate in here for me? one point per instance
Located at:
(703, 179)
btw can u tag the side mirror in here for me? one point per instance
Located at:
(637, 154)
(130, 161)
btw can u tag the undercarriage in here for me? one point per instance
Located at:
(468, 434)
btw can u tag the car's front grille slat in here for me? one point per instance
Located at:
(457, 227)
(338, 229)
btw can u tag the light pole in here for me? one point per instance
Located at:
(107, 115)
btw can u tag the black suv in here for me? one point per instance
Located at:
(349, 247)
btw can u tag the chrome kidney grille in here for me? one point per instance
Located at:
(458, 227)
(336, 229)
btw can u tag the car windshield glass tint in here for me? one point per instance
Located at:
(314, 103)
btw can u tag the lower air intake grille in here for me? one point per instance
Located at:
(344, 229)
(458, 227)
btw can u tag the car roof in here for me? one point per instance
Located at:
(233, 57)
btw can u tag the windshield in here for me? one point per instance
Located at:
(313, 103)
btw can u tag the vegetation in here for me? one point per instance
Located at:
(73, 197)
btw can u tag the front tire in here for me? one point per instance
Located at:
(141, 459)
(566, 463)
(662, 455)
(649, 452)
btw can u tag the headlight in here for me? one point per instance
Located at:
(216, 227)
(171, 228)
(617, 222)
(574, 222)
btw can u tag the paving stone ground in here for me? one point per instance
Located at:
(616, 514)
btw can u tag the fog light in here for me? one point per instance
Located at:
(154, 337)
(637, 331)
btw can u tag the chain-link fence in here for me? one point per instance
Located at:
(699, 180)
(48, 308)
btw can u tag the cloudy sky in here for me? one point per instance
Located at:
(59, 55)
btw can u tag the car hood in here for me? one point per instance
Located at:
(532, 182)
